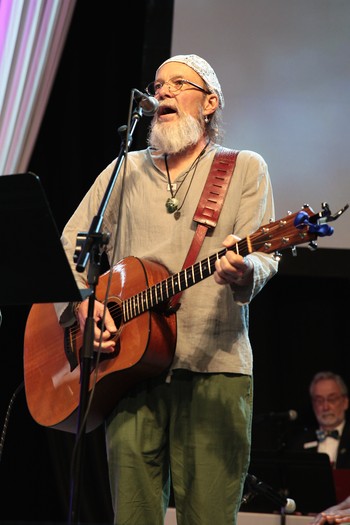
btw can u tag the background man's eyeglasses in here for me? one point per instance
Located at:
(331, 400)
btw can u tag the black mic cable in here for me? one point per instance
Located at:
(7, 417)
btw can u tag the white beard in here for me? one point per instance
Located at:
(171, 138)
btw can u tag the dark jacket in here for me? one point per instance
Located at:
(308, 435)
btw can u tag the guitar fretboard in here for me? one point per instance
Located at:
(172, 285)
(296, 228)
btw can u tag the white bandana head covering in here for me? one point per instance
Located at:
(204, 70)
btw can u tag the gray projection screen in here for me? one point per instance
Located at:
(284, 67)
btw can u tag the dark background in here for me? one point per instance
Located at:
(299, 322)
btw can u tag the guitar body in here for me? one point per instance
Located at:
(145, 348)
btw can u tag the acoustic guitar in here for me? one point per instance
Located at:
(139, 298)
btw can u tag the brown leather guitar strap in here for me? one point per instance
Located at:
(210, 204)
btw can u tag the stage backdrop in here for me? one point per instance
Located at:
(284, 69)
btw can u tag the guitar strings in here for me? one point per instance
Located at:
(116, 310)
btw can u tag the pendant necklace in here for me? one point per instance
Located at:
(172, 203)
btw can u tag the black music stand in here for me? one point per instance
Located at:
(304, 477)
(33, 266)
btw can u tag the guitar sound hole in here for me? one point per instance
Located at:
(70, 347)
(114, 306)
(72, 341)
(115, 311)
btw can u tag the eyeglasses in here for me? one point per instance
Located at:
(331, 400)
(174, 86)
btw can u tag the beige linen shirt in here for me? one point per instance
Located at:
(213, 320)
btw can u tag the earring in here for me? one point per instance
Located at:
(206, 119)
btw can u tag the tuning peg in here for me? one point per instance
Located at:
(335, 216)
(294, 251)
(277, 256)
(313, 245)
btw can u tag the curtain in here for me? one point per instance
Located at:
(32, 36)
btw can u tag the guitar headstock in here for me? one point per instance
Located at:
(294, 229)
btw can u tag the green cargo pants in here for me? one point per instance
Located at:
(198, 427)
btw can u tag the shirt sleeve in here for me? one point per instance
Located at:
(256, 209)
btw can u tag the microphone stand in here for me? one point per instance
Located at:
(256, 486)
(94, 240)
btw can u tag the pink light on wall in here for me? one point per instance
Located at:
(5, 10)
(32, 36)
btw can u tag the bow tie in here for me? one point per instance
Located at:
(323, 434)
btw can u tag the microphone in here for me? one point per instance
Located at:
(259, 487)
(148, 104)
(289, 415)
